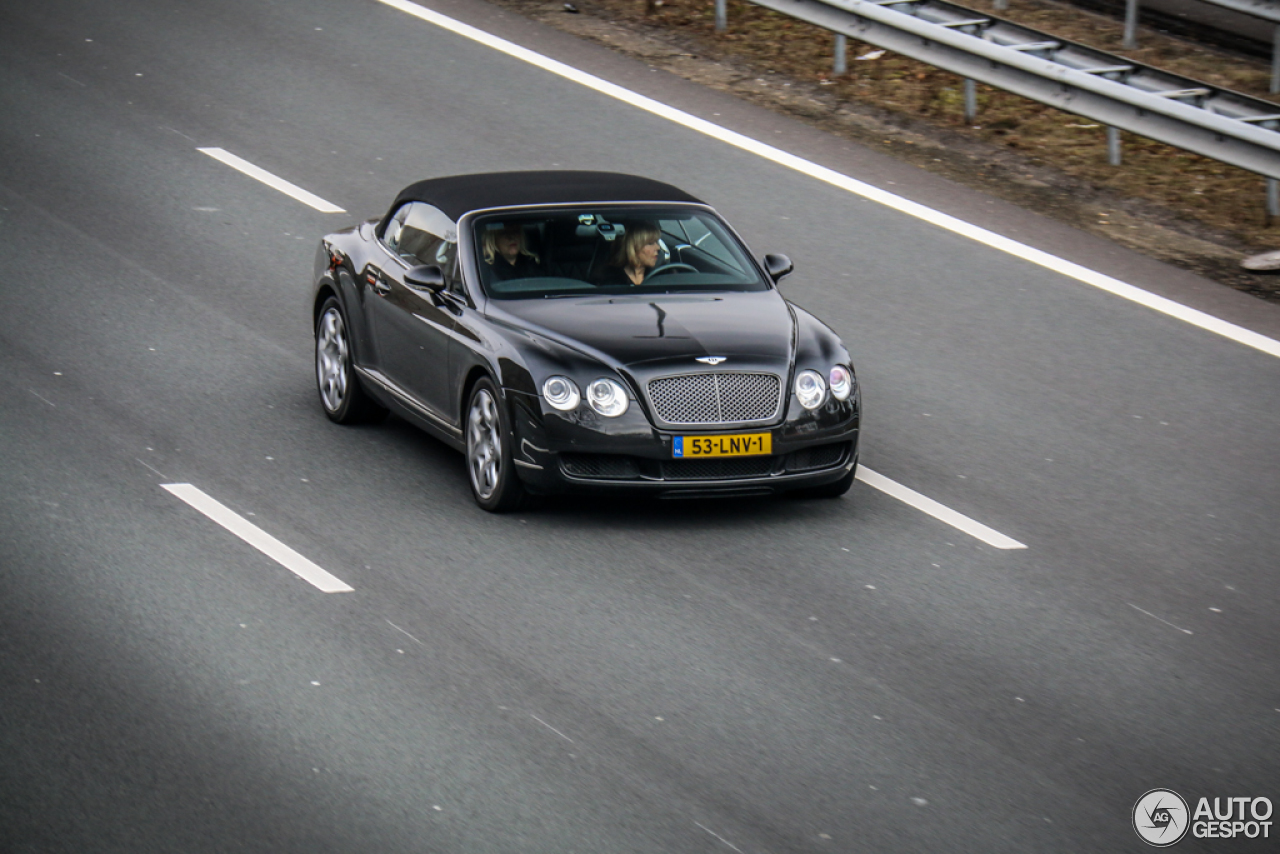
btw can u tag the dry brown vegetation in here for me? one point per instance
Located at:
(1222, 196)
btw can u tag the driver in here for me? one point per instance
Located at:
(508, 255)
(634, 255)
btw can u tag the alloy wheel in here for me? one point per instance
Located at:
(484, 444)
(333, 360)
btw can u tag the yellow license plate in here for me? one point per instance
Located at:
(737, 445)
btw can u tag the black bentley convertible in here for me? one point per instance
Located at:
(583, 330)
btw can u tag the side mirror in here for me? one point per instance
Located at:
(427, 276)
(777, 266)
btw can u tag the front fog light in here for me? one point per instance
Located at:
(561, 393)
(841, 382)
(607, 397)
(810, 389)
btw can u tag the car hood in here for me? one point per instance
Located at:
(634, 329)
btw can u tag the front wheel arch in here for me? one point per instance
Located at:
(326, 291)
(473, 376)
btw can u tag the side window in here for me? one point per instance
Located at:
(421, 234)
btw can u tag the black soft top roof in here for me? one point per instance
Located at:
(460, 194)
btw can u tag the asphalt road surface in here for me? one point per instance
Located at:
(751, 676)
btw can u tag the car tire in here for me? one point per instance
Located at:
(835, 489)
(343, 398)
(494, 483)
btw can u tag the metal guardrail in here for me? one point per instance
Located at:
(1218, 123)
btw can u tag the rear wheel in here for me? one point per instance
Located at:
(494, 483)
(341, 395)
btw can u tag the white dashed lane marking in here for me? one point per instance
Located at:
(1161, 619)
(938, 511)
(258, 538)
(273, 181)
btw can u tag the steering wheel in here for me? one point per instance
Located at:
(673, 266)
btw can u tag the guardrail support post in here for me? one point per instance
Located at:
(1113, 145)
(1275, 60)
(841, 63)
(970, 101)
(722, 16)
(1273, 200)
(1000, 5)
(1131, 25)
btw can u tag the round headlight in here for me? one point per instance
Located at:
(561, 393)
(607, 397)
(841, 379)
(810, 389)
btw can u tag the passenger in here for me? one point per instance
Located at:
(508, 255)
(634, 255)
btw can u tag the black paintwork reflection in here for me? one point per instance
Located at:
(623, 328)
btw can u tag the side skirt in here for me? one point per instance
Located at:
(413, 410)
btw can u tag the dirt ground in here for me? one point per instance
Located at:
(1175, 206)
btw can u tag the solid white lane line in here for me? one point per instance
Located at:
(272, 181)
(403, 632)
(958, 226)
(1161, 619)
(553, 729)
(718, 836)
(258, 538)
(151, 468)
(938, 511)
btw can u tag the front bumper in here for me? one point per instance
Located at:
(583, 452)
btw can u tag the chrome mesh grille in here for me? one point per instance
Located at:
(715, 398)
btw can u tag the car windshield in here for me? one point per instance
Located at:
(605, 250)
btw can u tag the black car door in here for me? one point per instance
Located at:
(412, 325)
